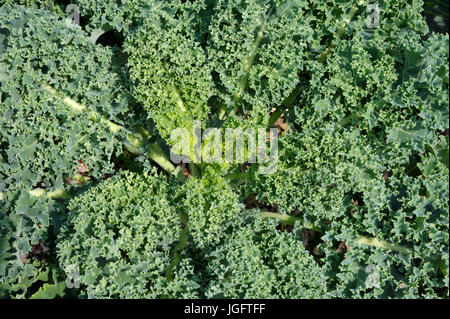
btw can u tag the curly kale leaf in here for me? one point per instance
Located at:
(210, 205)
(170, 67)
(24, 234)
(119, 236)
(255, 260)
(41, 138)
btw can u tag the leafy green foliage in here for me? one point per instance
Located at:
(47, 4)
(113, 15)
(256, 49)
(364, 157)
(174, 81)
(25, 222)
(236, 56)
(119, 235)
(42, 138)
(210, 204)
(256, 260)
(363, 150)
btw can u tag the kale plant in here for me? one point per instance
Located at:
(356, 207)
